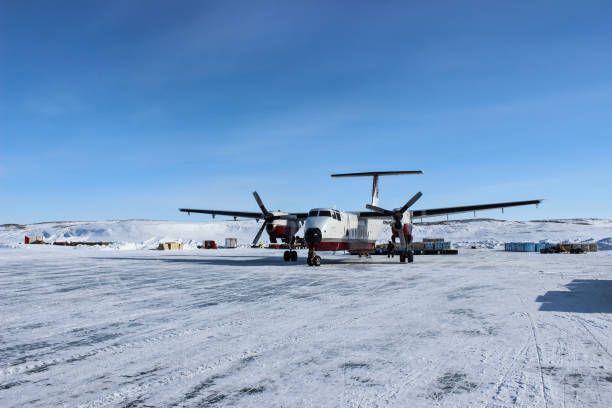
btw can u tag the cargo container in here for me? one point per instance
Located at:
(522, 247)
(210, 245)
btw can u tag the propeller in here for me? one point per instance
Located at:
(398, 215)
(268, 217)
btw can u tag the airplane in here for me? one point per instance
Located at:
(328, 229)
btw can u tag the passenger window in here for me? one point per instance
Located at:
(313, 213)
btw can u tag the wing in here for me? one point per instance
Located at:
(372, 214)
(241, 214)
(469, 208)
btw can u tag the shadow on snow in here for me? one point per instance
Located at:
(584, 296)
(241, 260)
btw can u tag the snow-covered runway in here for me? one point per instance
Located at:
(91, 327)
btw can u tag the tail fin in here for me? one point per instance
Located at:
(375, 175)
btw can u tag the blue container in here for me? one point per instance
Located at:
(529, 247)
(522, 247)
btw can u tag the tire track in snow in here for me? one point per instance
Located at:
(582, 323)
(141, 389)
(118, 348)
(502, 381)
(539, 354)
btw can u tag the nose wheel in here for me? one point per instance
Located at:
(313, 259)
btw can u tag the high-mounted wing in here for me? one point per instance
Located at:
(469, 208)
(373, 214)
(242, 214)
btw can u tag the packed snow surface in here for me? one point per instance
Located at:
(100, 327)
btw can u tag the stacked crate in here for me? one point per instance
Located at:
(435, 244)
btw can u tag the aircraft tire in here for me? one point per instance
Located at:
(309, 261)
(316, 260)
(286, 256)
(410, 257)
(402, 258)
(294, 256)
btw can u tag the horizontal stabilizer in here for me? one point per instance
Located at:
(377, 173)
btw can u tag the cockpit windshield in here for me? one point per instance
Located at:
(313, 213)
(324, 213)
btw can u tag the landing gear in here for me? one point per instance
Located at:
(407, 256)
(290, 256)
(313, 259)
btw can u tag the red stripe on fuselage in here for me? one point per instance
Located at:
(344, 246)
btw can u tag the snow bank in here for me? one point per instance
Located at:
(146, 234)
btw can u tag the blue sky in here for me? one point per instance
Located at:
(116, 110)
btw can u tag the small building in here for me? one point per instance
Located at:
(231, 242)
(170, 246)
(34, 239)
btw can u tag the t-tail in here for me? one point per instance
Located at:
(375, 175)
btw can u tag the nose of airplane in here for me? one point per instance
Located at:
(313, 236)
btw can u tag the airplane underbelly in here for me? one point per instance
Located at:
(345, 245)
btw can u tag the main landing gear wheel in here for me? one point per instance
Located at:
(290, 256)
(407, 256)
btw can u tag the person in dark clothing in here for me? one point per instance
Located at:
(390, 250)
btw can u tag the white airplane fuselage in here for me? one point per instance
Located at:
(327, 229)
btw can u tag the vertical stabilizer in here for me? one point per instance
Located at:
(374, 175)
(375, 190)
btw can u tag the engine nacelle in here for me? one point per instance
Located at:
(283, 229)
(407, 230)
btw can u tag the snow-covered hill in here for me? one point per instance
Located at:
(137, 234)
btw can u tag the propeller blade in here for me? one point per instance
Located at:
(260, 203)
(378, 209)
(263, 226)
(411, 202)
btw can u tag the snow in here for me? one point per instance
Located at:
(98, 327)
(147, 234)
